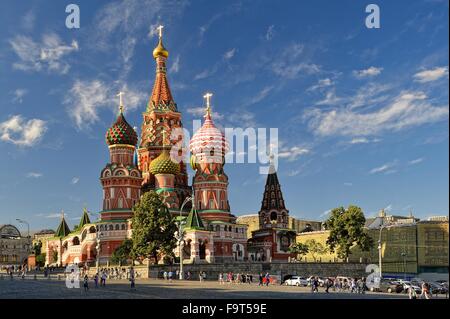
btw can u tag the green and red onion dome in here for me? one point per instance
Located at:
(121, 133)
(163, 164)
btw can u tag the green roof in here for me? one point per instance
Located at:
(194, 221)
(63, 229)
(84, 219)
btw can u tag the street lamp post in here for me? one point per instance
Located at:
(97, 247)
(181, 235)
(379, 253)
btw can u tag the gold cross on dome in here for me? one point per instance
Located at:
(120, 101)
(160, 28)
(207, 98)
(163, 137)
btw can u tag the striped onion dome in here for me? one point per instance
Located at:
(209, 142)
(163, 164)
(121, 133)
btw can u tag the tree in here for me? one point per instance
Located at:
(315, 248)
(299, 249)
(40, 259)
(37, 248)
(123, 253)
(153, 228)
(346, 228)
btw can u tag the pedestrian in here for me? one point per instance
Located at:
(260, 279)
(103, 278)
(132, 279)
(327, 285)
(200, 276)
(267, 277)
(412, 293)
(96, 280)
(86, 283)
(221, 282)
(425, 290)
(170, 274)
(165, 275)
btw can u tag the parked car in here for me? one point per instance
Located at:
(436, 288)
(296, 281)
(408, 285)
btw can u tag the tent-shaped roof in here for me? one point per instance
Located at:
(194, 221)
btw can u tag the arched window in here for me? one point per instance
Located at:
(117, 227)
(75, 241)
(123, 227)
(217, 228)
(273, 216)
(111, 227)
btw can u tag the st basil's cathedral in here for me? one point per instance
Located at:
(137, 165)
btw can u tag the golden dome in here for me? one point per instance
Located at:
(160, 50)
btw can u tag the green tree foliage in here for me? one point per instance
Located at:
(37, 248)
(315, 248)
(40, 259)
(153, 228)
(123, 253)
(346, 228)
(299, 249)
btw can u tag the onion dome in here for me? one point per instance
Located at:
(160, 50)
(163, 164)
(208, 142)
(121, 133)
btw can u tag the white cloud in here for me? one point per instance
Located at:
(407, 110)
(293, 153)
(372, 71)
(34, 175)
(387, 168)
(416, 161)
(294, 172)
(175, 67)
(75, 180)
(229, 54)
(330, 99)
(86, 98)
(369, 95)
(20, 132)
(261, 95)
(431, 75)
(325, 213)
(270, 33)
(388, 208)
(364, 140)
(45, 56)
(201, 111)
(323, 83)
(55, 215)
(288, 65)
(18, 95)
(206, 73)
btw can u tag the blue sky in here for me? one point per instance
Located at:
(362, 113)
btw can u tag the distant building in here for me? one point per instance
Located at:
(409, 246)
(14, 248)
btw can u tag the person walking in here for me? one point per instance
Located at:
(170, 276)
(96, 280)
(103, 278)
(412, 293)
(425, 290)
(86, 283)
(221, 282)
(260, 279)
(267, 279)
(132, 279)
(165, 275)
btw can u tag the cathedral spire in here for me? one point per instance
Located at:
(161, 98)
(63, 229)
(207, 98)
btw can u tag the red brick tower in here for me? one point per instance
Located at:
(121, 179)
(161, 116)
